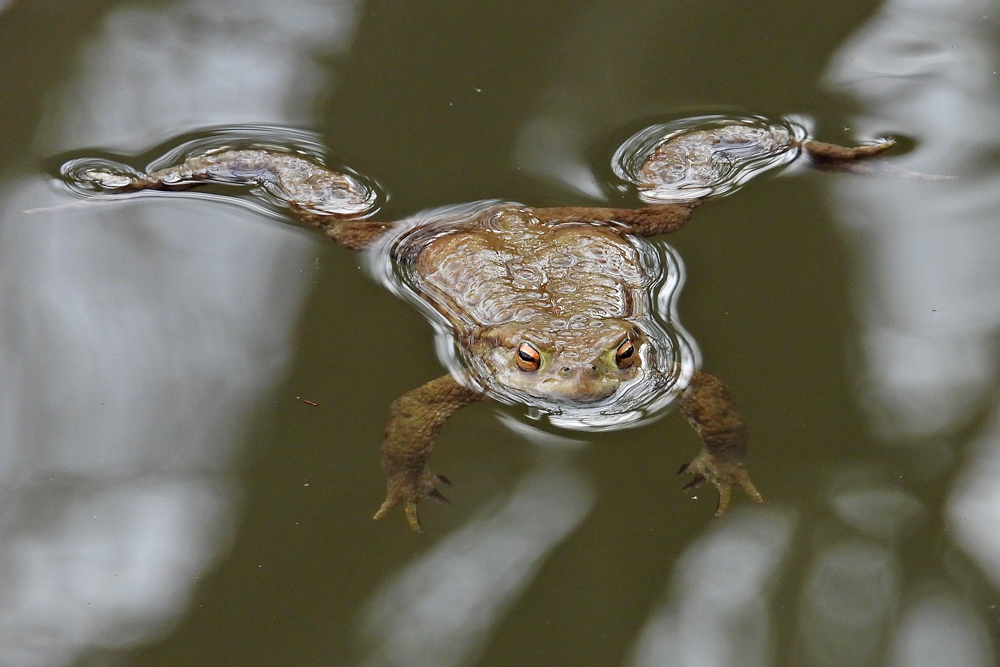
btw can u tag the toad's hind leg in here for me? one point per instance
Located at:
(324, 198)
(710, 410)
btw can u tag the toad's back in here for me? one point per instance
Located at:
(511, 267)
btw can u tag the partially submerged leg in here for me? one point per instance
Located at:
(352, 234)
(324, 198)
(415, 419)
(710, 410)
(821, 151)
(696, 161)
(834, 158)
(644, 221)
(691, 166)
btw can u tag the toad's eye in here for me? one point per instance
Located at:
(625, 354)
(528, 358)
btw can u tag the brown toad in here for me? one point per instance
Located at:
(553, 308)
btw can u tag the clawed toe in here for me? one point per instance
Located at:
(436, 495)
(408, 490)
(696, 483)
(723, 476)
(411, 516)
(384, 509)
(409, 510)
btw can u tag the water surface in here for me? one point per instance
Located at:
(173, 496)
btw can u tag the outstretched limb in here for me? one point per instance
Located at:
(822, 153)
(691, 166)
(321, 197)
(644, 221)
(710, 410)
(689, 160)
(415, 419)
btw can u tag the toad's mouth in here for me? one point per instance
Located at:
(577, 388)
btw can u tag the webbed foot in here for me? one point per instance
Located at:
(723, 476)
(409, 489)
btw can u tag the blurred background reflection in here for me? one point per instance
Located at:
(928, 296)
(133, 347)
(717, 612)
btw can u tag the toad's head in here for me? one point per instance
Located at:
(554, 360)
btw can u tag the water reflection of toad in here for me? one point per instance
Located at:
(553, 308)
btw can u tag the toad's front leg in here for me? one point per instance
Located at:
(415, 419)
(710, 410)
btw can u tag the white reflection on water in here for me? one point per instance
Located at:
(552, 145)
(717, 611)
(869, 501)
(848, 603)
(126, 383)
(940, 630)
(135, 337)
(438, 611)
(974, 510)
(929, 294)
(155, 74)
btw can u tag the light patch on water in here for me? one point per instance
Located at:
(848, 604)
(716, 614)
(940, 629)
(137, 336)
(928, 290)
(439, 610)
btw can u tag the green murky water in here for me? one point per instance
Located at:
(173, 496)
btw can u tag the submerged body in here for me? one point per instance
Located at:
(553, 308)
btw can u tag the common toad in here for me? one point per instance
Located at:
(553, 308)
